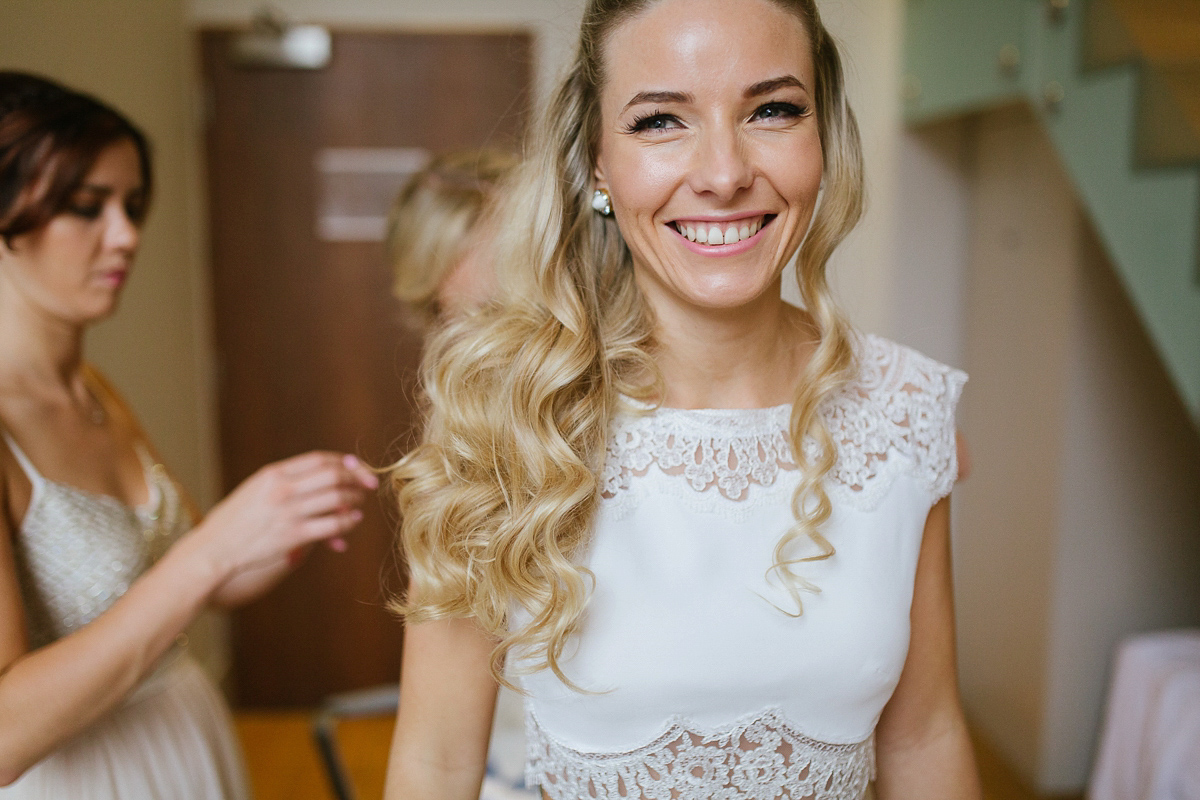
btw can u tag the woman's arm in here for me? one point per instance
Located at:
(922, 745)
(447, 698)
(52, 693)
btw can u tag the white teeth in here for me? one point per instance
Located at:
(713, 235)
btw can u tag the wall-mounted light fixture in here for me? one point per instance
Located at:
(274, 43)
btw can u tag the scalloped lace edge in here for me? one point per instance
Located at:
(761, 755)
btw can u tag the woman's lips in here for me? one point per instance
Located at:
(114, 277)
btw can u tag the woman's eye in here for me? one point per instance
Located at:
(85, 210)
(780, 110)
(136, 211)
(654, 122)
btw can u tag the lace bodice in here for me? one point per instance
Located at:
(77, 552)
(892, 418)
(698, 684)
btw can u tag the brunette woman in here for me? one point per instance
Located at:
(101, 569)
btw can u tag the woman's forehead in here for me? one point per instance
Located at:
(705, 42)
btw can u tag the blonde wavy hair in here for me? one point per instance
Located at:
(429, 224)
(498, 499)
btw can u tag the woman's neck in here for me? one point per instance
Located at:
(37, 350)
(744, 358)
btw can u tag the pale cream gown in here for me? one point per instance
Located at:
(77, 552)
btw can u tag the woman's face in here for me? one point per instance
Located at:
(709, 147)
(74, 266)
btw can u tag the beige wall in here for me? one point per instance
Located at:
(1081, 524)
(864, 269)
(1127, 557)
(1023, 225)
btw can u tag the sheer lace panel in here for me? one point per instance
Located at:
(897, 414)
(758, 757)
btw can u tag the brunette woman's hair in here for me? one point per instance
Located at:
(50, 136)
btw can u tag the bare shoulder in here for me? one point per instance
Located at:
(15, 489)
(13, 637)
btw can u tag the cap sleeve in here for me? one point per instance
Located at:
(942, 448)
(917, 398)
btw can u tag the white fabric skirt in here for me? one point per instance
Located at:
(172, 739)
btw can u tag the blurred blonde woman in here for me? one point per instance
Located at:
(438, 231)
(709, 529)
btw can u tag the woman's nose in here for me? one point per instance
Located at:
(721, 166)
(121, 232)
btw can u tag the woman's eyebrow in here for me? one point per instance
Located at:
(772, 84)
(658, 97)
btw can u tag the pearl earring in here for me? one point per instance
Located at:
(602, 202)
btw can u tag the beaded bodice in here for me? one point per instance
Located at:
(77, 551)
(699, 679)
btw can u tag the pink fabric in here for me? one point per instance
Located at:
(1150, 748)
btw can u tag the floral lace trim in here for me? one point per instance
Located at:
(900, 410)
(761, 756)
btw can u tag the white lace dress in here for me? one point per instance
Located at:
(698, 684)
(77, 552)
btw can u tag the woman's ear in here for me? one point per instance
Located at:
(598, 178)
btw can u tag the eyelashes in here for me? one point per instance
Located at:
(777, 110)
(135, 210)
(661, 121)
(653, 121)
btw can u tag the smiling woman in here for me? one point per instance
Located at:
(709, 529)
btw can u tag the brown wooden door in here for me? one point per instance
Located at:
(312, 349)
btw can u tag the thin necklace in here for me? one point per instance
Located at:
(95, 410)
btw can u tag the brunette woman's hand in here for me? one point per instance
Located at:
(253, 537)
